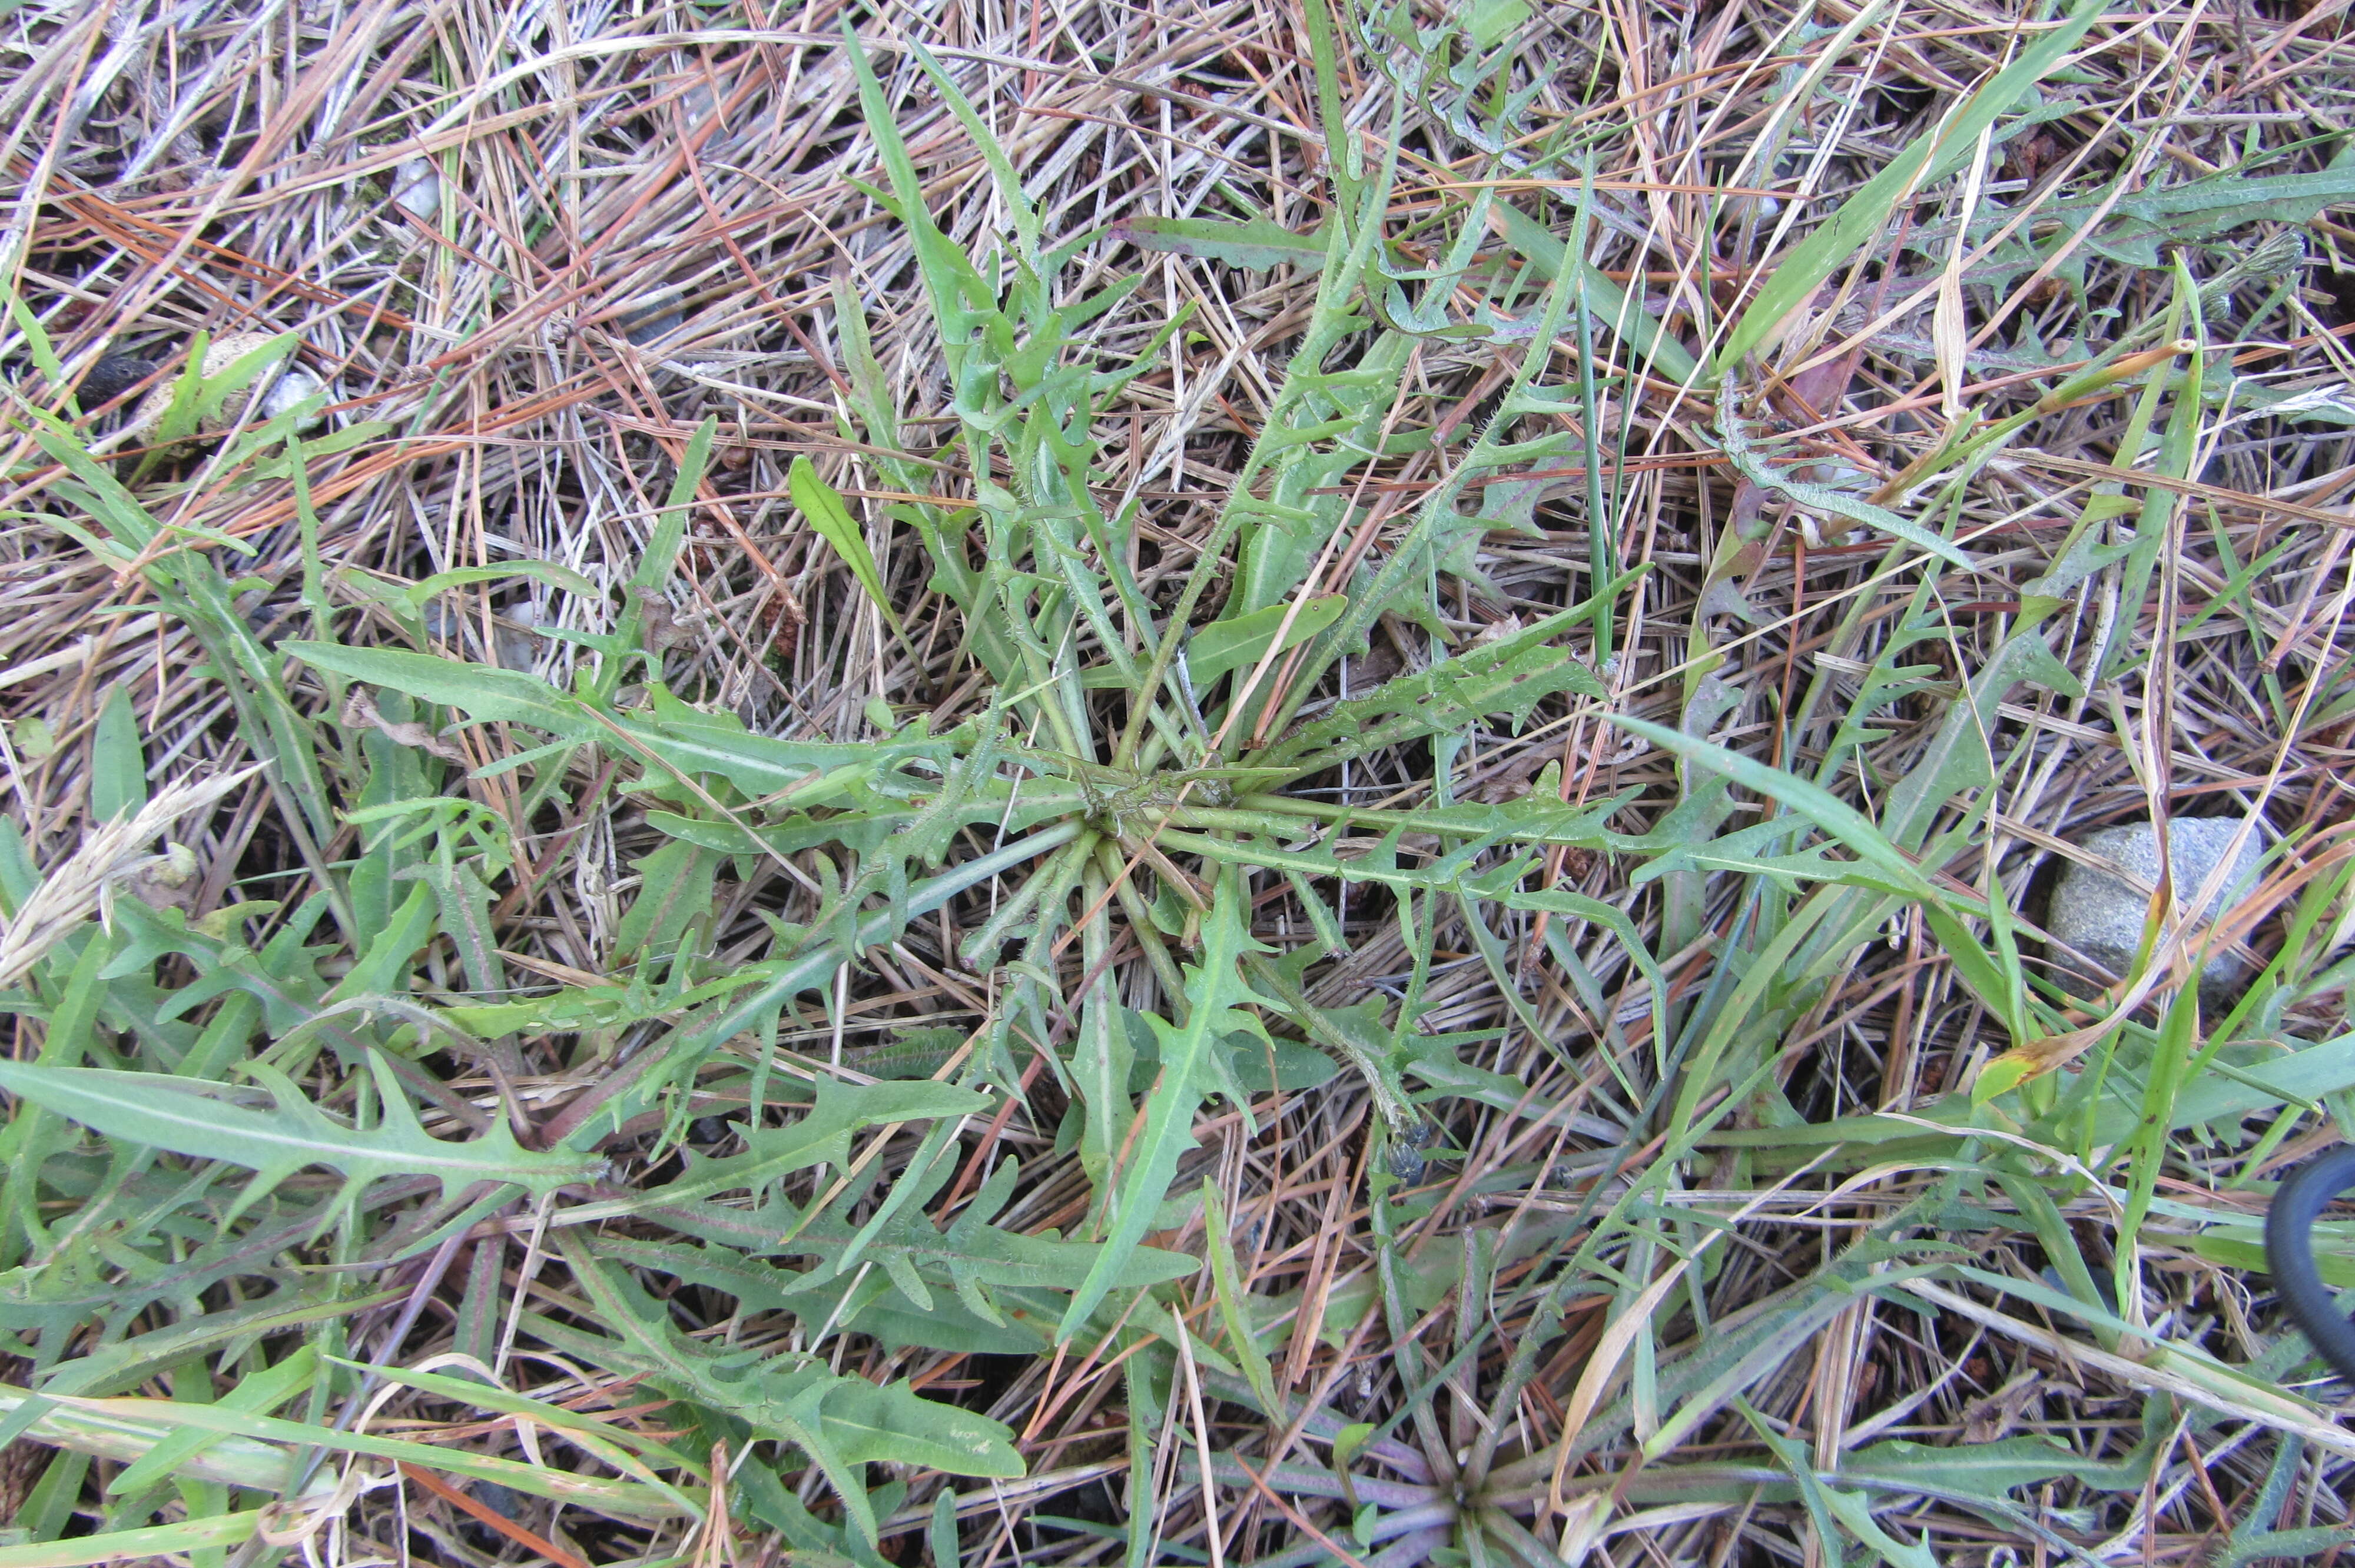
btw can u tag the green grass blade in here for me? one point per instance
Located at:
(1605, 303)
(202, 1121)
(118, 776)
(670, 527)
(147, 1543)
(1019, 205)
(1254, 244)
(821, 504)
(1217, 998)
(1818, 805)
(1227, 1281)
(1930, 157)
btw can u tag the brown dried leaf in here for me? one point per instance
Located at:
(359, 712)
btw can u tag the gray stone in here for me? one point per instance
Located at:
(2101, 917)
(652, 324)
(505, 1502)
(290, 391)
(516, 648)
(417, 188)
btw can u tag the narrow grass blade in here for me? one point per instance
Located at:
(147, 1544)
(1217, 998)
(1254, 244)
(670, 527)
(1818, 805)
(821, 504)
(1226, 1277)
(1930, 157)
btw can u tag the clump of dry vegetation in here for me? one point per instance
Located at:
(1248, 784)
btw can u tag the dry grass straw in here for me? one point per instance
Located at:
(639, 216)
(114, 851)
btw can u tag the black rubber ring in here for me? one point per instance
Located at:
(2289, 1252)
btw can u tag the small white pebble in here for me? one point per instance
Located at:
(290, 390)
(417, 188)
(516, 649)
